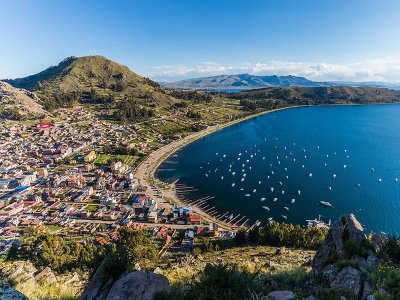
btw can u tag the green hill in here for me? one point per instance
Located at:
(88, 78)
(275, 97)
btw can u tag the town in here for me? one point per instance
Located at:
(60, 177)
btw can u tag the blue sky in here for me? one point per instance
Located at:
(171, 39)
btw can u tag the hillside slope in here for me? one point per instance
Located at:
(18, 104)
(87, 78)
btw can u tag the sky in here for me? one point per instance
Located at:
(168, 40)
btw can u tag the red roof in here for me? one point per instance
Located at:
(44, 125)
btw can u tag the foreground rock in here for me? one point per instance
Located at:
(8, 293)
(349, 278)
(281, 295)
(138, 285)
(347, 243)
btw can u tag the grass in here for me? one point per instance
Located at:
(103, 159)
(53, 227)
(46, 291)
(258, 259)
(91, 207)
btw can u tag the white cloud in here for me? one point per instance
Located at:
(387, 70)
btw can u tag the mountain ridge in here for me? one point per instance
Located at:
(245, 81)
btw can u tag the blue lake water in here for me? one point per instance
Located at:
(359, 144)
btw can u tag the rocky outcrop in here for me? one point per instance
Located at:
(346, 229)
(138, 286)
(349, 278)
(347, 243)
(8, 293)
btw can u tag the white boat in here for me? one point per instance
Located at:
(233, 173)
(254, 190)
(283, 216)
(244, 175)
(286, 169)
(372, 169)
(330, 188)
(310, 174)
(298, 192)
(224, 155)
(293, 201)
(287, 177)
(302, 166)
(358, 184)
(272, 189)
(334, 175)
(259, 182)
(283, 192)
(325, 203)
(285, 207)
(262, 199)
(233, 184)
(222, 177)
(270, 219)
(280, 182)
(241, 189)
(266, 207)
(380, 179)
(242, 179)
(247, 195)
(206, 175)
(344, 166)
(275, 199)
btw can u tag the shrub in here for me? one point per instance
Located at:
(335, 294)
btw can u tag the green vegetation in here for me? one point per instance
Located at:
(277, 97)
(91, 207)
(275, 234)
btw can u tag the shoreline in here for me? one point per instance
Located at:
(145, 171)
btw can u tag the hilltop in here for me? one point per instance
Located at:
(87, 78)
(19, 104)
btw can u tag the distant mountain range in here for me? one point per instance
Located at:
(241, 82)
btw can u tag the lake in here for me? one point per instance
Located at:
(348, 156)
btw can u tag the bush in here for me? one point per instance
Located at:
(335, 294)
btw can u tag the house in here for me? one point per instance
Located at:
(152, 217)
(90, 156)
(193, 219)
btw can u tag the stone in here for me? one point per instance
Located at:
(372, 262)
(329, 273)
(138, 285)
(354, 229)
(8, 293)
(349, 278)
(157, 270)
(377, 240)
(367, 290)
(281, 295)
(383, 292)
(46, 275)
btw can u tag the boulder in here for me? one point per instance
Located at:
(46, 275)
(372, 262)
(354, 229)
(332, 245)
(349, 278)
(367, 290)
(377, 240)
(329, 273)
(138, 285)
(281, 295)
(8, 293)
